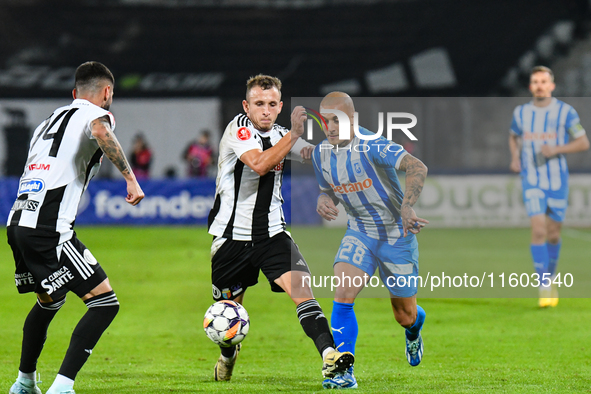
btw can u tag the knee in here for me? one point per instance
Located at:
(345, 295)
(538, 234)
(106, 303)
(554, 239)
(405, 318)
(554, 236)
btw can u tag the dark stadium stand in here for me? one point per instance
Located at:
(209, 51)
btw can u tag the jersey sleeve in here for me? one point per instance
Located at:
(112, 119)
(294, 153)
(96, 113)
(516, 127)
(241, 139)
(573, 124)
(317, 164)
(384, 153)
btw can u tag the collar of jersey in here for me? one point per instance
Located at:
(547, 107)
(83, 102)
(362, 130)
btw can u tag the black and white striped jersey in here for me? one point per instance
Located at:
(63, 158)
(248, 206)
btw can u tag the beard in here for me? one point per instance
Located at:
(107, 105)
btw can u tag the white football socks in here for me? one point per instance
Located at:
(29, 375)
(325, 352)
(62, 383)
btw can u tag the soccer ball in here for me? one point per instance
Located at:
(226, 323)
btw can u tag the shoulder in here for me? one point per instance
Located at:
(89, 108)
(90, 112)
(322, 153)
(519, 109)
(323, 146)
(566, 106)
(239, 120)
(381, 140)
(364, 131)
(380, 143)
(240, 126)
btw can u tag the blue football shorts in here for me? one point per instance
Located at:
(398, 264)
(545, 202)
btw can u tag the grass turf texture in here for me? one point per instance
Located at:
(162, 278)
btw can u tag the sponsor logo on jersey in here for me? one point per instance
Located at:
(56, 280)
(278, 167)
(243, 134)
(31, 186)
(352, 187)
(529, 136)
(25, 205)
(38, 166)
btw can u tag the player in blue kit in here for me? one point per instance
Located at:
(361, 175)
(542, 132)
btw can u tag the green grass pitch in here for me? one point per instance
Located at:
(157, 344)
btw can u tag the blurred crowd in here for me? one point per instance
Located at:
(198, 156)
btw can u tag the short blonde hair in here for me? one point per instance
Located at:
(264, 81)
(542, 69)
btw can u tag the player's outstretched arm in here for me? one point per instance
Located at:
(101, 130)
(416, 172)
(263, 161)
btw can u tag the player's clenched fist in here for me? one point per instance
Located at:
(298, 117)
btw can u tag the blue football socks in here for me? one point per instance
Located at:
(412, 332)
(553, 253)
(344, 326)
(541, 258)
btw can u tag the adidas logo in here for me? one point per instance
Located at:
(301, 262)
(89, 351)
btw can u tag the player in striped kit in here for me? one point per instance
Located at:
(542, 132)
(65, 153)
(247, 219)
(361, 175)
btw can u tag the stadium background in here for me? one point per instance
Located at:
(180, 67)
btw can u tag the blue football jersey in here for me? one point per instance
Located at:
(363, 177)
(556, 124)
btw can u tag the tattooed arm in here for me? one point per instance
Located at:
(416, 172)
(101, 130)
